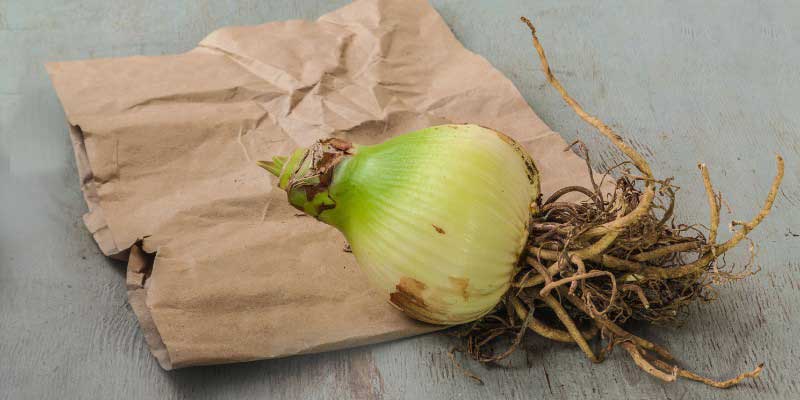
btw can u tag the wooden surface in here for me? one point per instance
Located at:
(686, 81)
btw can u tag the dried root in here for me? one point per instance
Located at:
(612, 258)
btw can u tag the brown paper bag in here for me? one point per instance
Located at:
(165, 148)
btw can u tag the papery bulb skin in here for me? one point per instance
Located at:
(436, 218)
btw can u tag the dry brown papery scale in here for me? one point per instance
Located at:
(594, 265)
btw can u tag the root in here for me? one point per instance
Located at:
(640, 361)
(619, 252)
(710, 382)
(713, 204)
(581, 277)
(641, 164)
(717, 250)
(639, 292)
(466, 372)
(573, 330)
(551, 333)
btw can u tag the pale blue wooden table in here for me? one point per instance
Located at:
(687, 81)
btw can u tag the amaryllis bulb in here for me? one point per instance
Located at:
(436, 218)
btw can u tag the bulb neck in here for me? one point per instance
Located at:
(307, 174)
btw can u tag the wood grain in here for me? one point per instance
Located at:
(684, 81)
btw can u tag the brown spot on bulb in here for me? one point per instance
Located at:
(409, 291)
(461, 285)
(408, 297)
(438, 229)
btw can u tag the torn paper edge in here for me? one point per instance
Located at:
(94, 220)
(139, 267)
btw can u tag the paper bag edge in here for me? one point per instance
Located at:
(136, 278)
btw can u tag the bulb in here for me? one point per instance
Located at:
(436, 218)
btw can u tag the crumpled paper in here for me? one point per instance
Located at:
(220, 268)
